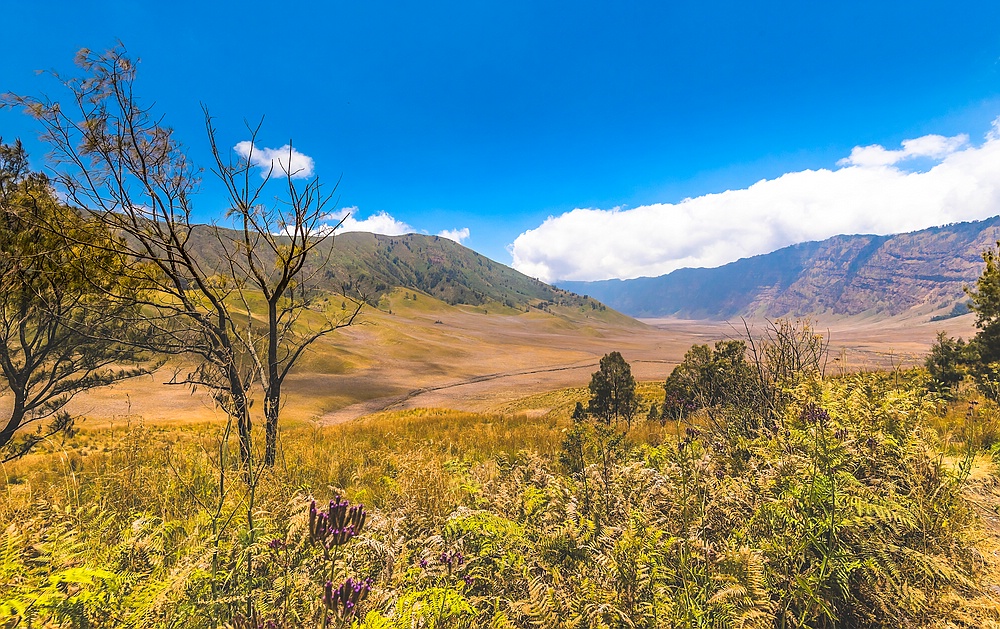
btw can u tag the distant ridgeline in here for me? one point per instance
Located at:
(435, 265)
(922, 271)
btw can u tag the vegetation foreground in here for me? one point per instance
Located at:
(852, 510)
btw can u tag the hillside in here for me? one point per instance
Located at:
(920, 273)
(434, 265)
(439, 267)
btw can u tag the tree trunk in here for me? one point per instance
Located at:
(272, 400)
(272, 393)
(16, 417)
(241, 412)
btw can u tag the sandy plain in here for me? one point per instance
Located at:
(428, 354)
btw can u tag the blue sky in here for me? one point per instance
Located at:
(496, 116)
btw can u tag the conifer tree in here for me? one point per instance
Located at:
(612, 391)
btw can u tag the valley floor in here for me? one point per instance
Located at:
(426, 354)
(464, 444)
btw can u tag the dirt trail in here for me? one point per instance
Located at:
(408, 399)
(472, 398)
(439, 360)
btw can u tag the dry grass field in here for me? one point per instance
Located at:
(423, 353)
(463, 410)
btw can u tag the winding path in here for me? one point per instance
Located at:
(386, 403)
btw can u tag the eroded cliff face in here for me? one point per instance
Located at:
(926, 270)
(922, 271)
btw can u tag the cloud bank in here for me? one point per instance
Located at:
(931, 146)
(458, 235)
(279, 161)
(346, 220)
(871, 192)
(378, 223)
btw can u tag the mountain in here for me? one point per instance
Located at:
(437, 266)
(919, 272)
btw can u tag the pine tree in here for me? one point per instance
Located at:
(612, 391)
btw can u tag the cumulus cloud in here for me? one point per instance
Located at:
(378, 223)
(931, 146)
(870, 193)
(347, 220)
(279, 161)
(458, 235)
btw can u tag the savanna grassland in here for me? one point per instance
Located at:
(416, 351)
(435, 457)
(858, 499)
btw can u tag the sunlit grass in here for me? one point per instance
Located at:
(106, 496)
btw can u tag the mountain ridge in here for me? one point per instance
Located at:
(920, 272)
(375, 264)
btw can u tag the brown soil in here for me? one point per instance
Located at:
(854, 344)
(460, 358)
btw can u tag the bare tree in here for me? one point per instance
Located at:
(116, 158)
(787, 352)
(278, 249)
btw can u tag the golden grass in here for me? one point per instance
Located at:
(428, 353)
(363, 458)
(423, 462)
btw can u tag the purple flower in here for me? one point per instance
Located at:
(337, 525)
(345, 599)
(452, 559)
(815, 414)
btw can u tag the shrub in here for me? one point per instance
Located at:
(947, 364)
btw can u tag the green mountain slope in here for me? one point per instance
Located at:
(437, 266)
(434, 265)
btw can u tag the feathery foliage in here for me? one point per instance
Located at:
(844, 514)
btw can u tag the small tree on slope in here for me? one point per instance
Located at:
(612, 391)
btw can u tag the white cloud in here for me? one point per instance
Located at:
(378, 223)
(346, 220)
(868, 194)
(458, 235)
(931, 146)
(284, 161)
